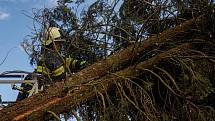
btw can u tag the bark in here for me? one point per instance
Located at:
(64, 95)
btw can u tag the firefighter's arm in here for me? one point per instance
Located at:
(41, 68)
(74, 64)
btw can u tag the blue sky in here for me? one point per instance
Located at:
(14, 26)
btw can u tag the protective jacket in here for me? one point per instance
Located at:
(54, 66)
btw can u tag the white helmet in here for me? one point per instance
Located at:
(52, 34)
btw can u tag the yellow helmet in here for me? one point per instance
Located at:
(52, 34)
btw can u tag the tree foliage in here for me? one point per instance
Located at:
(177, 88)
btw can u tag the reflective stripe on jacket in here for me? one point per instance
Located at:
(42, 70)
(59, 71)
(71, 63)
(74, 64)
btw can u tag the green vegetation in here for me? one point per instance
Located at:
(166, 66)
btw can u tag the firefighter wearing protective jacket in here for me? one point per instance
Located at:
(53, 65)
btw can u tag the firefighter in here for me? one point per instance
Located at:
(25, 88)
(52, 65)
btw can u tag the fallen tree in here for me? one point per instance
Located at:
(77, 89)
(89, 91)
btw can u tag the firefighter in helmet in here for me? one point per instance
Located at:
(53, 65)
